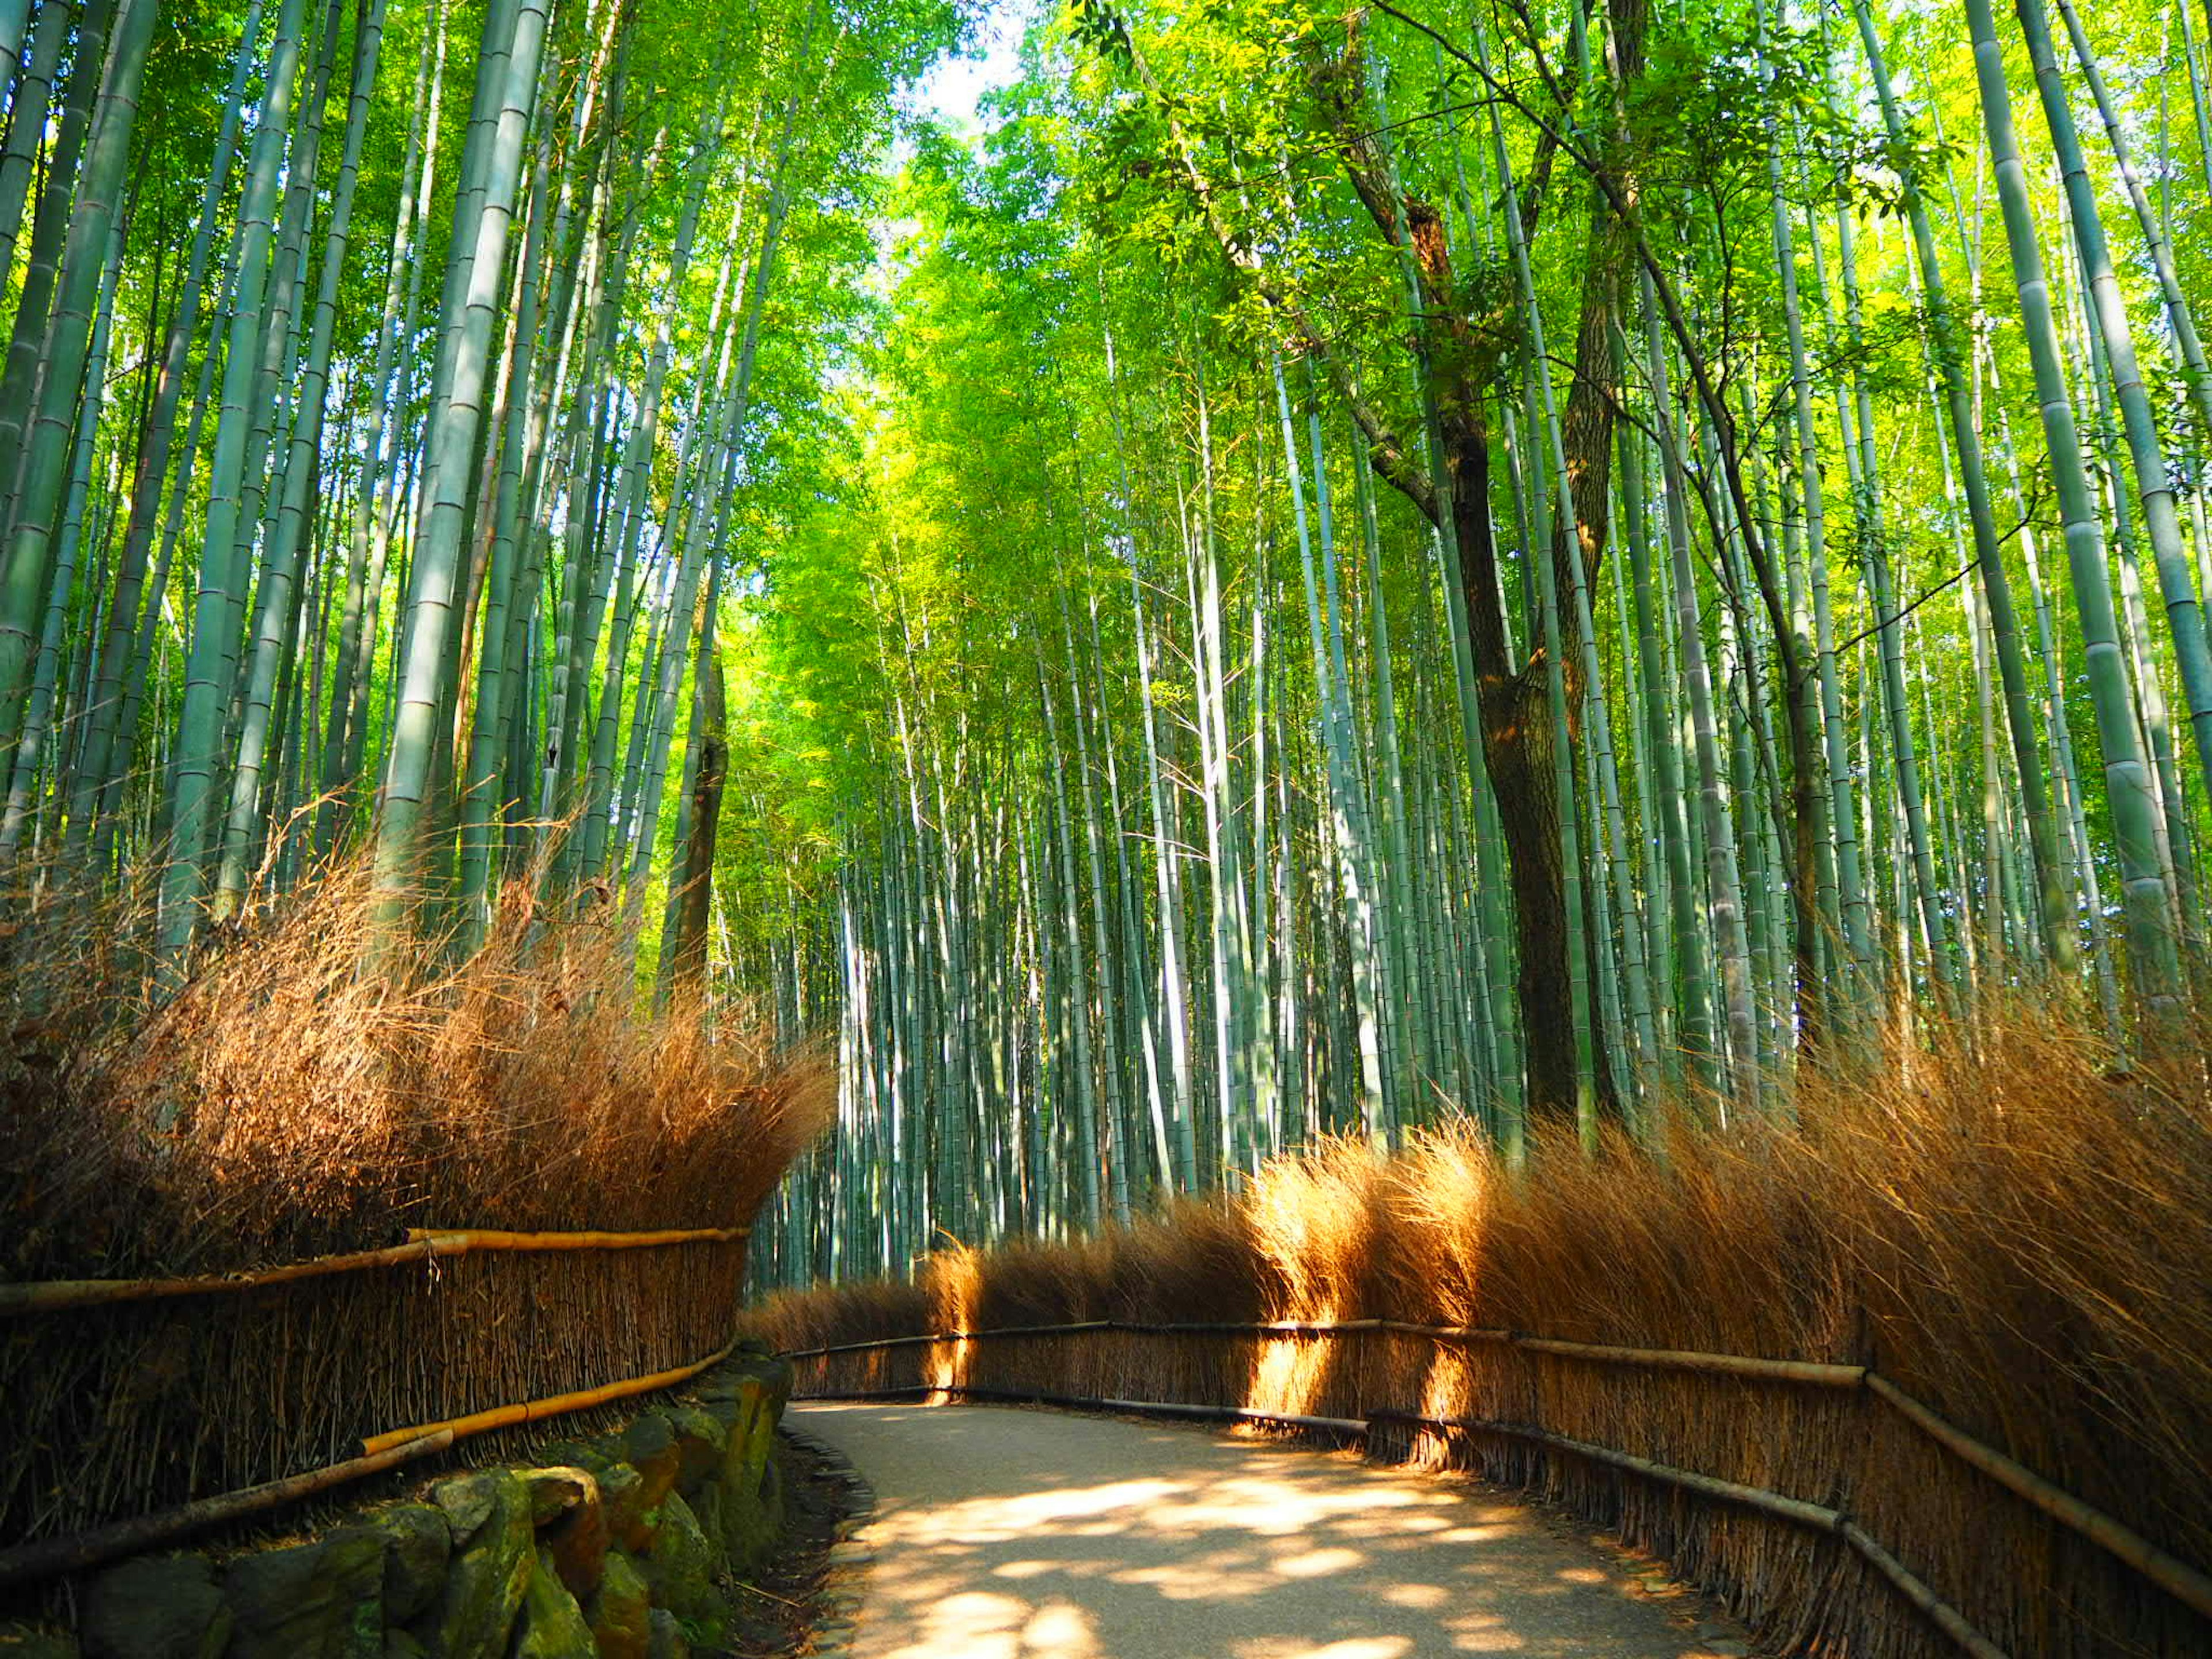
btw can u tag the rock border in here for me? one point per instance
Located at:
(844, 1592)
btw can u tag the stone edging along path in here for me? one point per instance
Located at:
(844, 1587)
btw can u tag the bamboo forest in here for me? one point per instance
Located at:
(1299, 572)
(1482, 731)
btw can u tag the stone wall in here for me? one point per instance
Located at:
(609, 1547)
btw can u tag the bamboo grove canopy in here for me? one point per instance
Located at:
(393, 396)
(1316, 568)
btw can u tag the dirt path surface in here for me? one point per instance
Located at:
(1018, 1534)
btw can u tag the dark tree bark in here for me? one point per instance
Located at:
(1518, 740)
(697, 869)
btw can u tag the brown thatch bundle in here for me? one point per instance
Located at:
(294, 1101)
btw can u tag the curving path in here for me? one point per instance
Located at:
(1021, 1534)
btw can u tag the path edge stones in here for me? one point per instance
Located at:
(838, 1603)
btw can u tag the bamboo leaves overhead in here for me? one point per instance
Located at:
(338, 493)
(1317, 572)
(1682, 702)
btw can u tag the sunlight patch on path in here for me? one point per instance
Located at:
(1017, 1534)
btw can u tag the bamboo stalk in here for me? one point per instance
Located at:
(45, 1297)
(54, 1555)
(2178, 1579)
(532, 1411)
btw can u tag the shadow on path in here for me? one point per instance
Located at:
(1021, 1534)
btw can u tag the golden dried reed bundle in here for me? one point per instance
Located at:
(2001, 1222)
(289, 1103)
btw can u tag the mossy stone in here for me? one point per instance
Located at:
(681, 1564)
(650, 1448)
(579, 1541)
(551, 1625)
(734, 1401)
(484, 1584)
(753, 1522)
(756, 1373)
(556, 1490)
(620, 1611)
(416, 1544)
(699, 1438)
(577, 1454)
(398, 1644)
(468, 1501)
(666, 1640)
(318, 1601)
(707, 1509)
(158, 1607)
(630, 1511)
(746, 1450)
(22, 1642)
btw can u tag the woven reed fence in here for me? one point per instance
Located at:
(125, 1397)
(1838, 1513)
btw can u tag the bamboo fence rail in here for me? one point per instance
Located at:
(2185, 1583)
(50, 1556)
(534, 1411)
(48, 1294)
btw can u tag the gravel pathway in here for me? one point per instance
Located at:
(1021, 1535)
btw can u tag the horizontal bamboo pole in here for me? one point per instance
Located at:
(1717, 1365)
(50, 1556)
(484, 1238)
(2178, 1579)
(49, 1295)
(875, 1345)
(532, 1411)
(1031, 1330)
(930, 1339)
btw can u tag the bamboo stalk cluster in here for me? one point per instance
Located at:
(1517, 567)
(382, 394)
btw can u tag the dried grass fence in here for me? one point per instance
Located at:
(131, 1397)
(212, 1209)
(1970, 1295)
